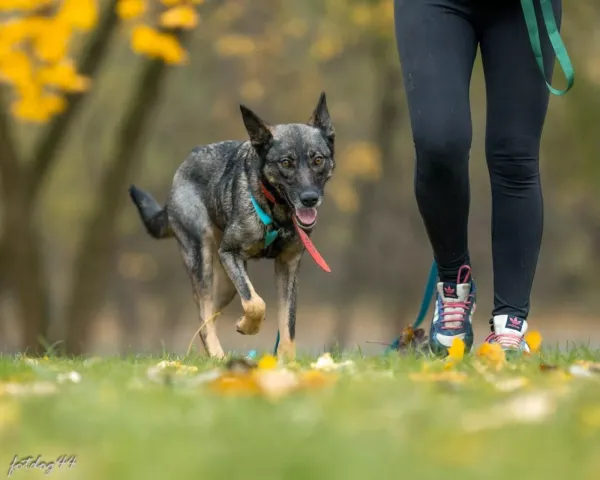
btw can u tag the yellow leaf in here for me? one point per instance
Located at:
(295, 27)
(274, 384)
(182, 16)
(534, 341)
(80, 14)
(128, 9)
(143, 39)
(445, 376)
(235, 46)
(28, 109)
(52, 40)
(252, 91)
(16, 68)
(17, 30)
(63, 76)
(267, 362)
(25, 5)
(326, 48)
(361, 159)
(52, 104)
(456, 352)
(147, 41)
(493, 354)
(361, 15)
(344, 196)
(170, 50)
(234, 384)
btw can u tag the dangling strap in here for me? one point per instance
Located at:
(557, 44)
(270, 235)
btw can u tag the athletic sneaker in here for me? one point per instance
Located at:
(454, 308)
(509, 331)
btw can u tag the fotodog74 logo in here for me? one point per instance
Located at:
(47, 466)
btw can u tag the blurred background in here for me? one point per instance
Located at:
(77, 269)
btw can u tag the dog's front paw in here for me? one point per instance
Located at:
(254, 314)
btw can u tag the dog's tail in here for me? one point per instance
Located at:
(153, 215)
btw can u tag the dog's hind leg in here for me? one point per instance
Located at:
(253, 306)
(210, 291)
(286, 273)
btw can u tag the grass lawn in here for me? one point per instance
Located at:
(387, 417)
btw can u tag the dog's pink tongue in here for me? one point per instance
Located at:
(307, 216)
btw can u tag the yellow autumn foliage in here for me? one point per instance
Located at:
(235, 45)
(37, 36)
(492, 354)
(152, 43)
(130, 9)
(79, 14)
(182, 16)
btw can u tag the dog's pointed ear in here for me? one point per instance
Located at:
(321, 119)
(258, 130)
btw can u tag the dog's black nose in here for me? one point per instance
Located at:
(309, 198)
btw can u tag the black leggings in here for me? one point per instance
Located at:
(437, 41)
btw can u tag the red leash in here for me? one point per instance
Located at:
(308, 244)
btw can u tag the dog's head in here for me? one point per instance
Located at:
(296, 160)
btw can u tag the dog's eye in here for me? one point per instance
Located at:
(318, 161)
(285, 162)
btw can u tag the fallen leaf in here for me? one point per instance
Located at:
(411, 339)
(276, 383)
(534, 341)
(73, 377)
(164, 370)
(529, 408)
(267, 362)
(492, 354)
(326, 363)
(235, 384)
(456, 351)
(511, 384)
(449, 376)
(581, 369)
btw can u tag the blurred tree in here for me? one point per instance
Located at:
(36, 38)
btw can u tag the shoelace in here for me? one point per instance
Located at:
(508, 340)
(453, 314)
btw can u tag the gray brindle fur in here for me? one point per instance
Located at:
(210, 213)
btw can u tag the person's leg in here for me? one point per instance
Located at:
(437, 46)
(517, 101)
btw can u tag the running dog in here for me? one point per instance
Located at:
(234, 201)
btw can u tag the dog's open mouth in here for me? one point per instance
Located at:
(306, 217)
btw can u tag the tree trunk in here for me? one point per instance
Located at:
(94, 261)
(23, 257)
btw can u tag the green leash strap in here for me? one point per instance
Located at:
(557, 44)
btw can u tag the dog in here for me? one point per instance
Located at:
(234, 201)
